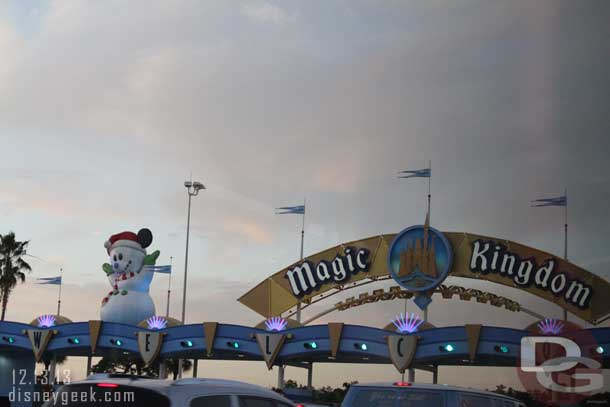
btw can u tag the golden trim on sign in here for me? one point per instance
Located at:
(95, 328)
(473, 332)
(209, 331)
(335, 329)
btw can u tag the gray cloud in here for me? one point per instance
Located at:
(106, 108)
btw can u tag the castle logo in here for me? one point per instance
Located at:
(420, 258)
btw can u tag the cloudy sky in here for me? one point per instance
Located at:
(107, 107)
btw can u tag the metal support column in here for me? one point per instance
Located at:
(280, 378)
(195, 365)
(52, 368)
(411, 375)
(162, 370)
(435, 375)
(310, 376)
(89, 365)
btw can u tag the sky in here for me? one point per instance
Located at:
(107, 107)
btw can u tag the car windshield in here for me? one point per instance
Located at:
(107, 395)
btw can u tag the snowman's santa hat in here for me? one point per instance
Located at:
(129, 239)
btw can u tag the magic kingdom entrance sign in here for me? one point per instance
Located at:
(420, 258)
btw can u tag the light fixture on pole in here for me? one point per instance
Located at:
(192, 189)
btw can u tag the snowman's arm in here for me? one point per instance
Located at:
(107, 268)
(151, 259)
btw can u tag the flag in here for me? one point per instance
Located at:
(558, 201)
(49, 280)
(292, 210)
(159, 269)
(423, 173)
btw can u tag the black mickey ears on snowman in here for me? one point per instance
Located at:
(145, 237)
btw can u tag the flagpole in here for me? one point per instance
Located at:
(558, 201)
(565, 229)
(429, 198)
(429, 186)
(169, 286)
(298, 315)
(565, 241)
(59, 295)
(303, 228)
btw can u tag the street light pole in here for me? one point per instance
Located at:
(192, 189)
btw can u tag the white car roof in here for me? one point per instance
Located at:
(187, 387)
(429, 386)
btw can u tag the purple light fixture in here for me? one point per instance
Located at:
(46, 321)
(406, 324)
(550, 326)
(156, 322)
(276, 324)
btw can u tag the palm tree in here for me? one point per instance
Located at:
(127, 364)
(12, 266)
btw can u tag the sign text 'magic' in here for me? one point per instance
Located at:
(306, 277)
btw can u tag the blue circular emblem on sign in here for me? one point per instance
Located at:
(419, 258)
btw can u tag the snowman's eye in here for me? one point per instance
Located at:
(120, 256)
(114, 257)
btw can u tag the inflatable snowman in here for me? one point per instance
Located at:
(129, 302)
